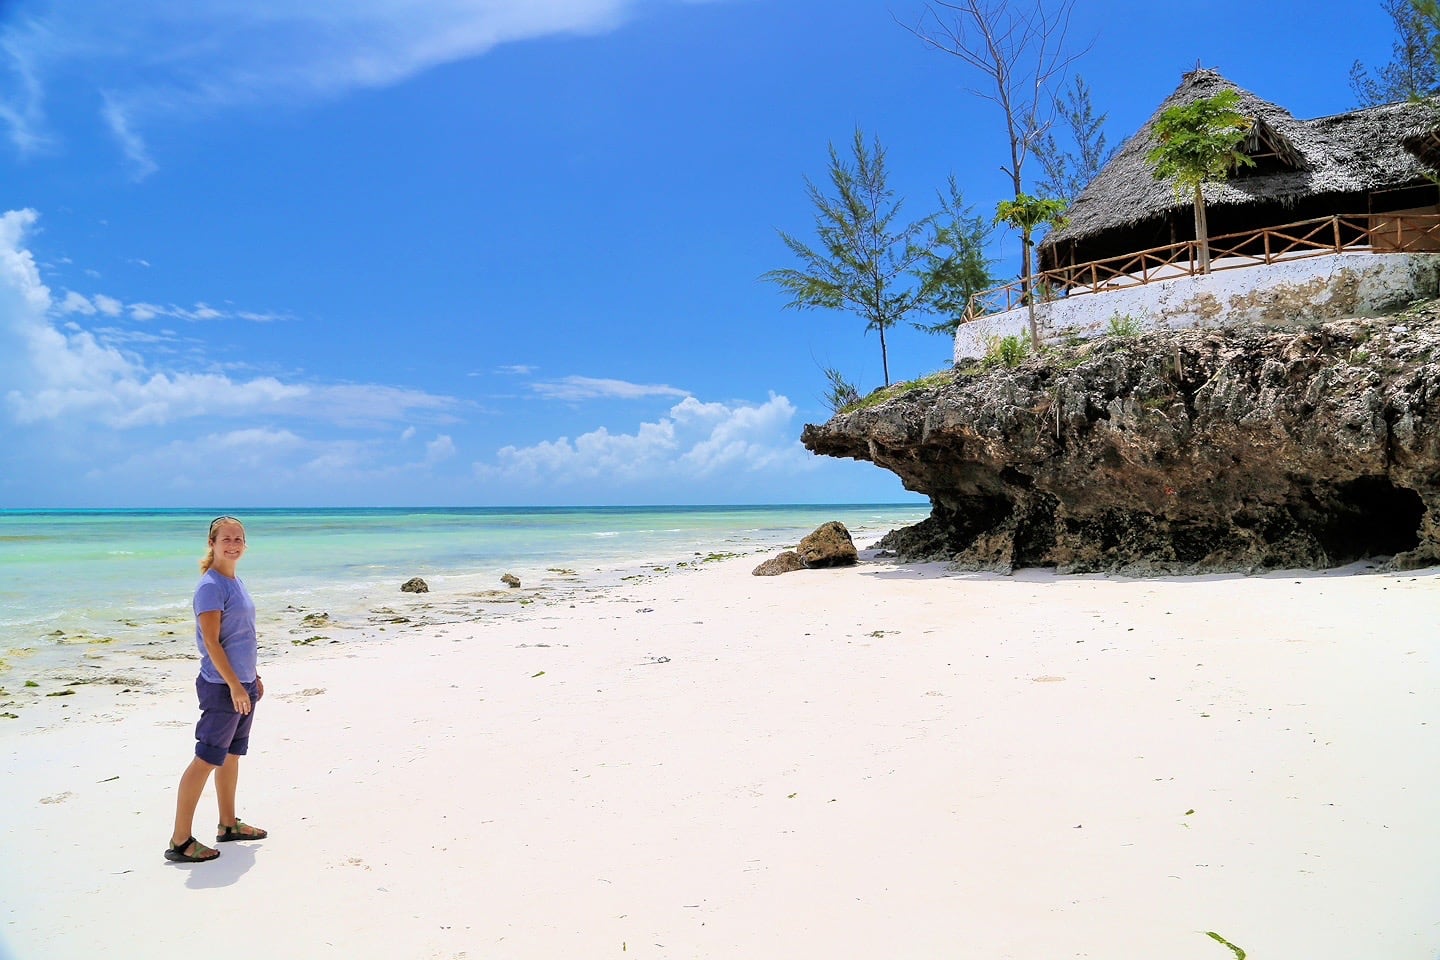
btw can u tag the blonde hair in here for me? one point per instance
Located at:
(207, 561)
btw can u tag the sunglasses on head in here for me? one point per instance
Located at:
(220, 520)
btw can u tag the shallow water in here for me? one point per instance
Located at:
(76, 582)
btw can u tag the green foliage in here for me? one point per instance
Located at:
(865, 260)
(1007, 352)
(1414, 67)
(1028, 214)
(955, 268)
(938, 379)
(841, 393)
(1199, 142)
(1067, 172)
(1123, 325)
(1239, 954)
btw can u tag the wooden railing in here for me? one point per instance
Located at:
(1322, 236)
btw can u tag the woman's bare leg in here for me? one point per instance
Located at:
(227, 778)
(192, 784)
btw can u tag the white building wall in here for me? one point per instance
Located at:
(1290, 293)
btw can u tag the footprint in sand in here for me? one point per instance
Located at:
(307, 692)
(57, 798)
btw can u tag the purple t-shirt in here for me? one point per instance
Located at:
(237, 625)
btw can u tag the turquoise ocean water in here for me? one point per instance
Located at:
(75, 580)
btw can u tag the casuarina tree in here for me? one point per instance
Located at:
(865, 260)
(956, 268)
(1066, 172)
(1414, 67)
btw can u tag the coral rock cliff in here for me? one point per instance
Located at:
(1198, 450)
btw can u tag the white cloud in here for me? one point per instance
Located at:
(696, 441)
(160, 60)
(740, 437)
(68, 374)
(590, 388)
(440, 449)
(76, 303)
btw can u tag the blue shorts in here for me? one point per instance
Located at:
(221, 731)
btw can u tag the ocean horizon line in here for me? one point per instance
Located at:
(535, 508)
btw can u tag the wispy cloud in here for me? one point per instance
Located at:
(131, 143)
(592, 388)
(196, 314)
(163, 60)
(89, 306)
(22, 108)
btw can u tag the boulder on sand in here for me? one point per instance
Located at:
(784, 562)
(829, 546)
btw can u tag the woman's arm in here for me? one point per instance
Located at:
(210, 633)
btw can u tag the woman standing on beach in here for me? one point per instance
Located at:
(228, 687)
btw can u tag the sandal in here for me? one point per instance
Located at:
(239, 831)
(177, 852)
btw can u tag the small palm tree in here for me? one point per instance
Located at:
(1028, 214)
(1199, 143)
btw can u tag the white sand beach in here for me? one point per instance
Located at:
(884, 761)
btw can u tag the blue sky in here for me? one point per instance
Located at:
(491, 252)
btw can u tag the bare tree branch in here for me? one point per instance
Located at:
(1020, 55)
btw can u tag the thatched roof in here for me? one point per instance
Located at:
(1371, 149)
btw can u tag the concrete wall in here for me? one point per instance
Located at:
(1291, 293)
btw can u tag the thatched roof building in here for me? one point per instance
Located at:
(1375, 160)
